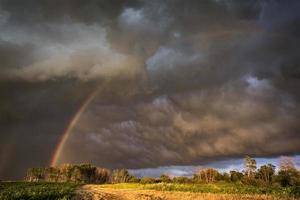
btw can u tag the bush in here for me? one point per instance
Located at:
(147, 180)
(254, 182)
(295, 191)
(181, 179)
(164, 178)
(223, 177)
(133, 179)
(288, 177)
(236, 176)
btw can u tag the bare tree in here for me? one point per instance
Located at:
(286, 163)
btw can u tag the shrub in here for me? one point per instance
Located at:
(147, 180)
(223, 177)
(236, 176)
(133, 179)
(164, 178)
(288, 177)
(181, 179)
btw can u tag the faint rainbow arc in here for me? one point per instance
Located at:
(71, 125)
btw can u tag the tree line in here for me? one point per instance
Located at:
(286, 175)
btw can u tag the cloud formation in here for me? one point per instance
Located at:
(184, 82)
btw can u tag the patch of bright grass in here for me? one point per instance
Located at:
(36, 191)
(217, 188)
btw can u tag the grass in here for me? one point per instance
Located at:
(65, 191)
(36, 191)
(216, 188)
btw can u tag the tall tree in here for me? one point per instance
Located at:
(207, 175)
(250, 166)
(288, 175)
(266, 172)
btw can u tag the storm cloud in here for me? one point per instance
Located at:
(182, 82)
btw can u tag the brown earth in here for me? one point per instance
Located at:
(96, 192)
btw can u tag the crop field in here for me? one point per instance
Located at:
(155, 191)
(159, 191)
(36, 191)
(216, 188)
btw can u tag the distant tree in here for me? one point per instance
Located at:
(52, 174)
(223, 177)
(288, 175)
(147, 180)
(83, 173)
(102, 175)
(207, 175)
(266, 172)
(35, 174)
(165, 178)
(120, 176)
(236, 176)
(250, 166)
(133, 179)
(286, 162)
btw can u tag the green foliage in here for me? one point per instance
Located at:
(266, 173)
(36, 191)
(206, 175)
(227, 188)
(236, 176)
(223, 177)
(147, 180)
(181, 179)
(164, 178)
(83, 173)
(288, 177)
(253, 181)
(250, 166)
(133, 179)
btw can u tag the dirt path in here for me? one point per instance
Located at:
(96, 192)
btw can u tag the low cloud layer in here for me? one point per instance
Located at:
(182, 82)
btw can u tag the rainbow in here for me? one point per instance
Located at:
(71, 125)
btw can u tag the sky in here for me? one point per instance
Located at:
(147, 84)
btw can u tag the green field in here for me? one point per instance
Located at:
(36, 191)
(65, 191)
(216, 188)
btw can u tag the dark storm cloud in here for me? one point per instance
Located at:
(183, 82)
(40, 12)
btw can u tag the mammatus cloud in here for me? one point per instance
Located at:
(184, 82)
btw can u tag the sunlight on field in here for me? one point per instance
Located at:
(138, 191)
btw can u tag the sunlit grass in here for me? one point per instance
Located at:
(36, 191)
(216, 188)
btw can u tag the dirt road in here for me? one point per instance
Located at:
(96, 192)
